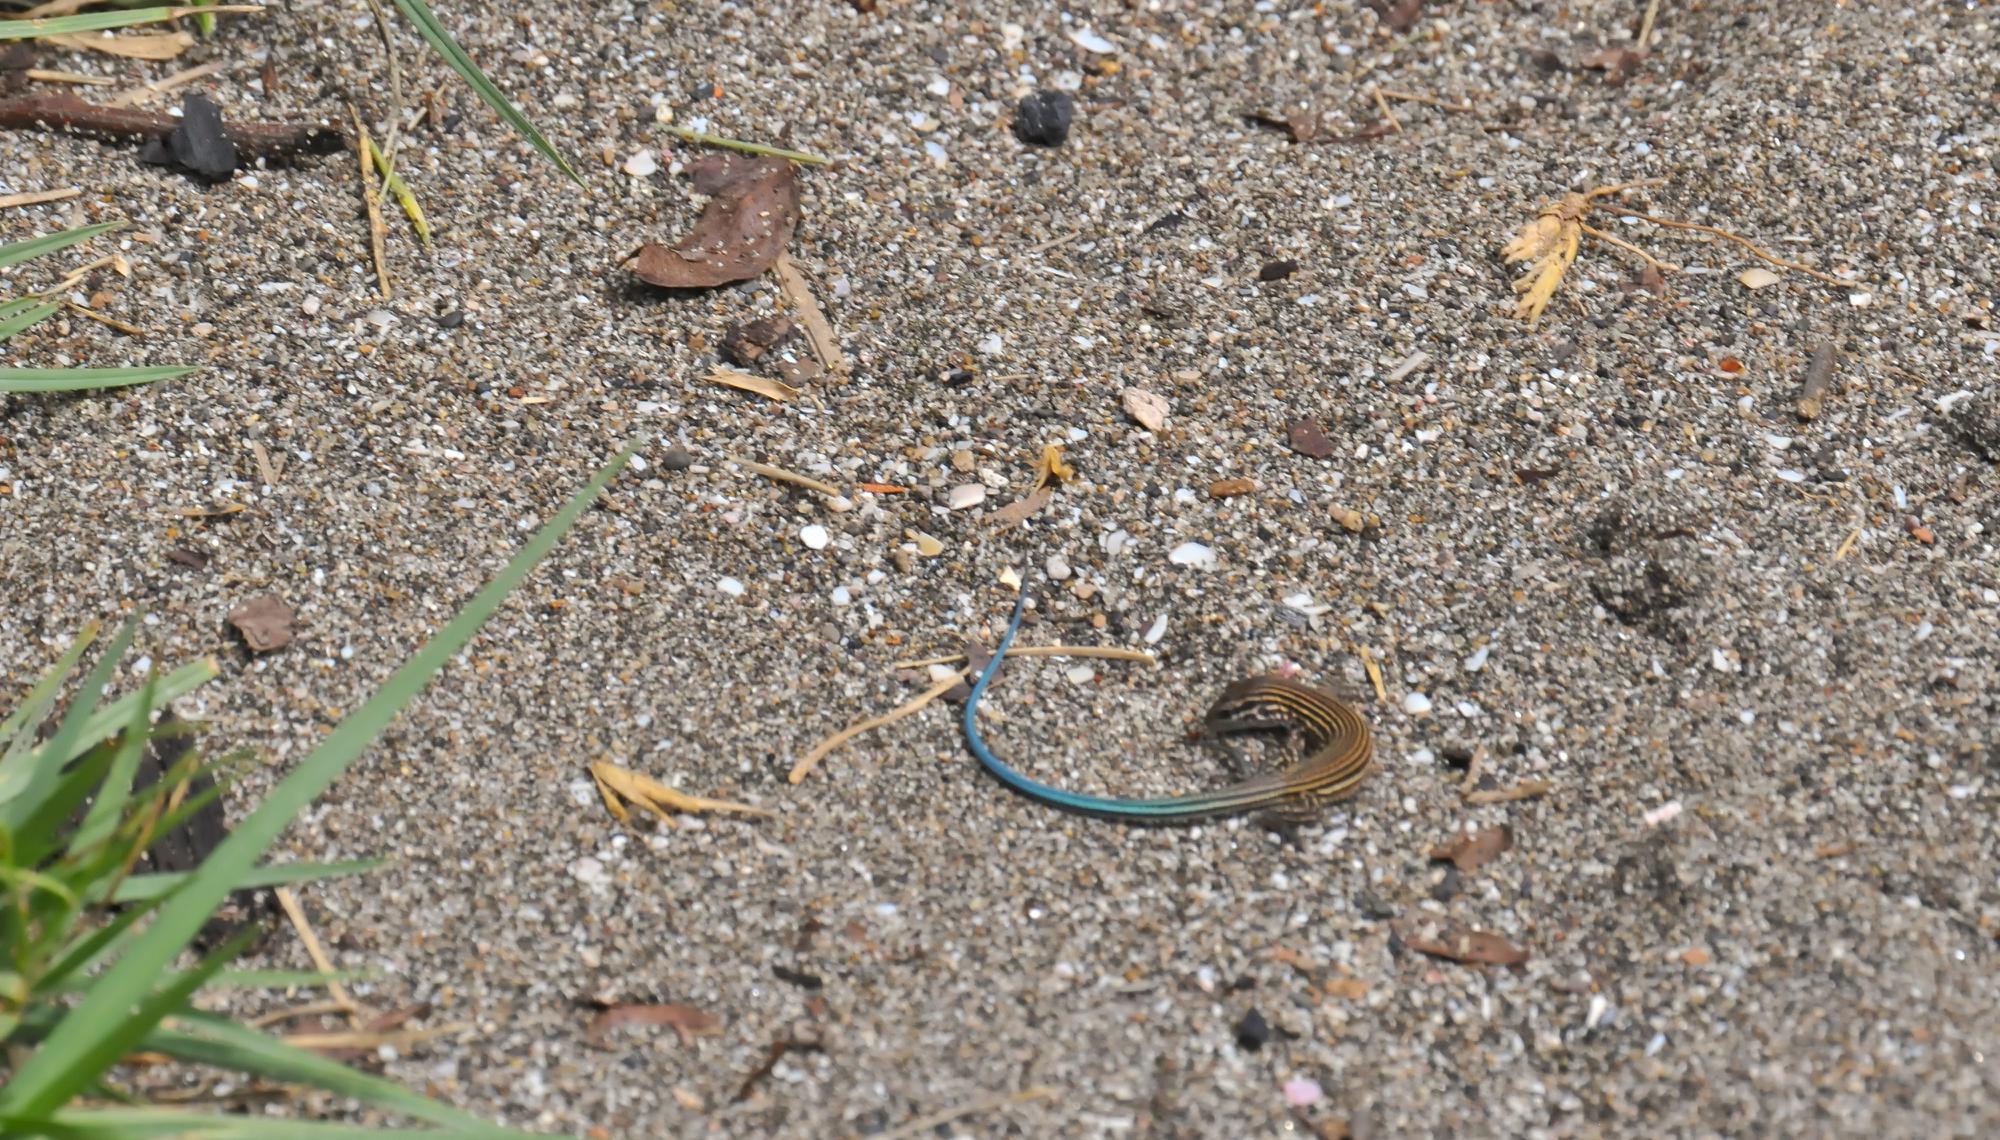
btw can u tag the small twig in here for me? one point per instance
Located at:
(1107, 652)
(924, 1124)
(1819, 377)
(1427, 100)
(37, 197)
(1627, 246)
(784, 476)
(1746, 243)
(390, 137)
(1472, 770)
(133, 96)
(803, 767)
(1525, 790)
(1374, 673)
(1621, 187)
(291, 1013)
(102, 319)
(270, 471)
(703, 139)
(378, 230)
(1059, 239)
(43, 75)
(1388, 116)
(1646, 25)
(297, 914)
(399, 1039)
(252, 140)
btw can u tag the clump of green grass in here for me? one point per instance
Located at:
(91, 953)
(19, 314)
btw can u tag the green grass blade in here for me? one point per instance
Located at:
(420, 14)
(118, 713)
(210, 1040)
(84, 379)
(19, 316)
(139, 888)
(88, 22)
(110, 1034)
(86, 950)
(159, 1123)
(53, 1073)
(15, 253)
(26, 779)
(26, 717)
(116, 791)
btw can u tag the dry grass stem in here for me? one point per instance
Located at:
(1388, 116)
(1106, 652)
(1755, 249)
(297, 914)
(133, 96)
(745, 382)
(819, 334)
(784, 476)
(378, 230)
(621, 786)
(811, 760)
(1426, 100)
(37, 197)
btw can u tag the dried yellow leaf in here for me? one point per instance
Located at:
(620, 786)
(1550, 242)
(1052, 468)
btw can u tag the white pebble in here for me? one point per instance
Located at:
(966, 495)
(1080, 674)
(938, 86)
(841, 596)
(1192, 554)
(1092, 42)
(642, 164)
(991, 345)
(814, 536)
(731, 587)
(1157, 630)
(1665, 813)
(1477, 660)
(1417, 704)
(1058, 570)
(1791, 476)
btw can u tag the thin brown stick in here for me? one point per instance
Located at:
(133, 96)
(37, 197)
(1620, 188)
(314, 951)
(924, 1124)
(310, 1009)
(784, 476)
(1471, 780)
(378, 230)
(252, 140)
(1621, 243)
(398, 1039)
(1427, 100)
(1374, 672)
(1388, 116)
(103, 319)
(1646, 25)
(1106, 652)
(43, 75)
(1746, 243)
(803, 767)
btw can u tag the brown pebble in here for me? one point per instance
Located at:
(1229, 488)
(1309, 439)
(1349, 518)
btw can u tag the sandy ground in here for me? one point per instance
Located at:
(1753, 657)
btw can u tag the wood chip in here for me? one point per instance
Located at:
(1819, 378)
(1148, 409)
(1469, 852)
(264, 622)
(37, 197)
(819, 334)
(743, 381)
(1306, 437)
(1230, 488)
(1457, 942)
(685, 1020)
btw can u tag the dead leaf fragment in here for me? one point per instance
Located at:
(1018, 512)
(752, 210)
(1457, 942)
(1230, 488)
(1052, 468)
(1148, 409)
(746, 344)
(1306, 437)
(620, 786)
(265, 623)
(744, 381)
(685, 1020)
(1469, 852)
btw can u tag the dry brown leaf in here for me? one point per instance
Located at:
(1309, 439)
(1550, 244)
(769, 389)
(1469, 852)
(132, 45)
(1051, 468)
(1149, 409)
(1016, 513)
(265, 623)
(620, 786)
(1457, 942)
(685, 1020)
(752, 211)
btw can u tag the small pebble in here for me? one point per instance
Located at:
(966, 495)
(1043, 118)
(814, 536)
(731, 587)
(1477, 660)
(926, 545)
(1303, 1092)
(1253, 1032)
(1192, 554)
(1417, 704)
(1058, 569)
(1157, 630)
(676, 458)
(641, 164)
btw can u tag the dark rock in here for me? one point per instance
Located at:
(1043, 118)
(198, 145)
(1253, 1032)
(676, 459)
